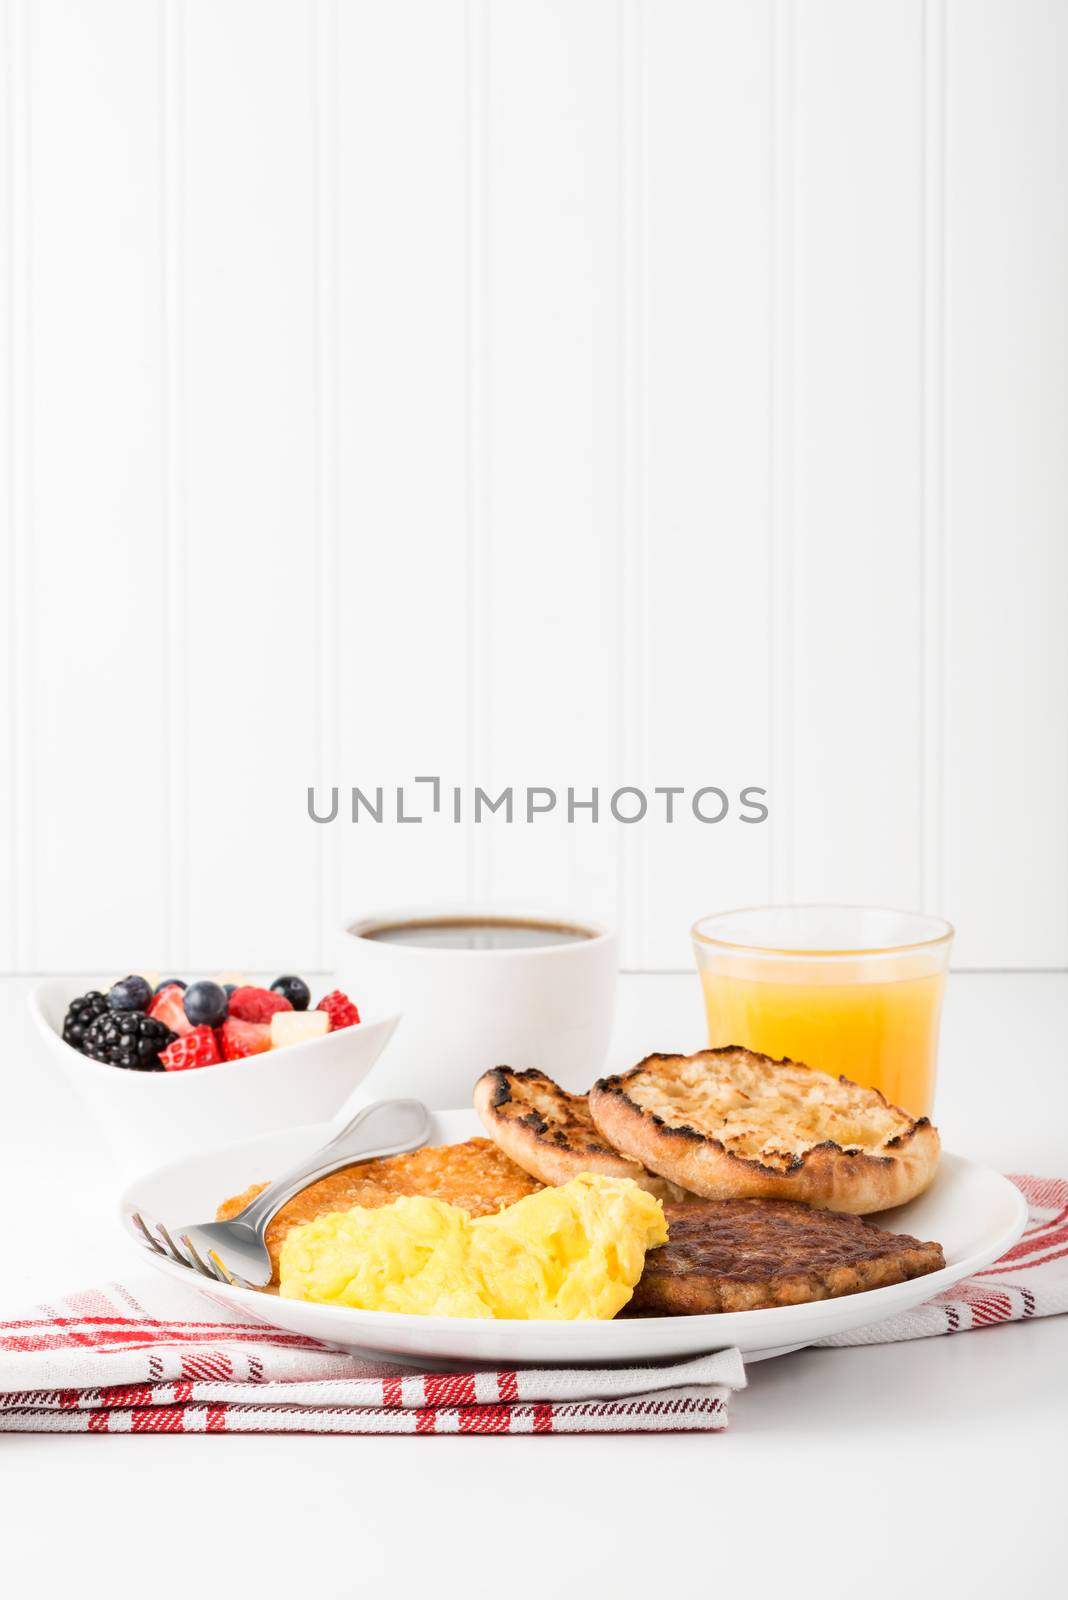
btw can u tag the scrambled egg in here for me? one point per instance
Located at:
(572, 1252)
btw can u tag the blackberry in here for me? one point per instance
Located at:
(128, 1039)
(80, 1013)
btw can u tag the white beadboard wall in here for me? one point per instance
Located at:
(557, 392)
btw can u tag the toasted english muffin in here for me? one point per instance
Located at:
(550, 1133)
(740, 1255)
(732, 1125)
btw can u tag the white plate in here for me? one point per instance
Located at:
(974, 1213)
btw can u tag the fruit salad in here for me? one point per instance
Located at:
(173, 1026)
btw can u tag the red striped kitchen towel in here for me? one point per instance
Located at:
(1030, 1280)
(159, 1357)
(163, 1358)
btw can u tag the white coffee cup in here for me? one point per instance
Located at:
(464, 1010)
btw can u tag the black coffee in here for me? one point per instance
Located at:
(477, 933)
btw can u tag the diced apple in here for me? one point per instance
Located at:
(297, 1027)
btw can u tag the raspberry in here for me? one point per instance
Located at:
(239, 1039)
(340, 1009)
(250, 1004)
(198, 1048)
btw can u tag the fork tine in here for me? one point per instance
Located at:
(172, 1248)
(139, 1222)
(222, 1270)
(201, 1266)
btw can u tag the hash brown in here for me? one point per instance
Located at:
(731, 1124)
(550, 1132)
(742, 1255)
(474, 1175)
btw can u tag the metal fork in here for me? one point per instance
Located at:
(235, 1252)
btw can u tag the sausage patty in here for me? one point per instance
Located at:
(739, 1255)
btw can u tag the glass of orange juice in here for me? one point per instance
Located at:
(846, 989)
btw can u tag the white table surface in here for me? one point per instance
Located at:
(928, 1468)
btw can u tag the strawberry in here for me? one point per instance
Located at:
(197, 1048)
(169, 1009)
(239, 1039)
(340, 1009)
(250, 1004)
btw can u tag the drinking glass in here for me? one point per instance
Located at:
(855, 990)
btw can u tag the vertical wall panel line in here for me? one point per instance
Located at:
(782, 533)
(327, 485)
(933, 720)
(22, 842)
(478, 551)
(632, 629)
(7, 266)
(174, 475)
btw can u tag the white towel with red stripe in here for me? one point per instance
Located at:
(158, 1357)
(1030, 1280)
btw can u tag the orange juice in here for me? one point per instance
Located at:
(851, 990)
(882, 1034)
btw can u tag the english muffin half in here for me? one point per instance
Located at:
(734, 1125)
(550, 1133)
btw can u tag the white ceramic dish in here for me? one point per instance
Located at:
(151, 1117)
(974, 1213)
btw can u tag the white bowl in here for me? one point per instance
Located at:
(151, 1117)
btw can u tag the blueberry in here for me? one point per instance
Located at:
(167, 982)
(205, 1002)
(129, 994)
(229, 987)
(295, 990)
